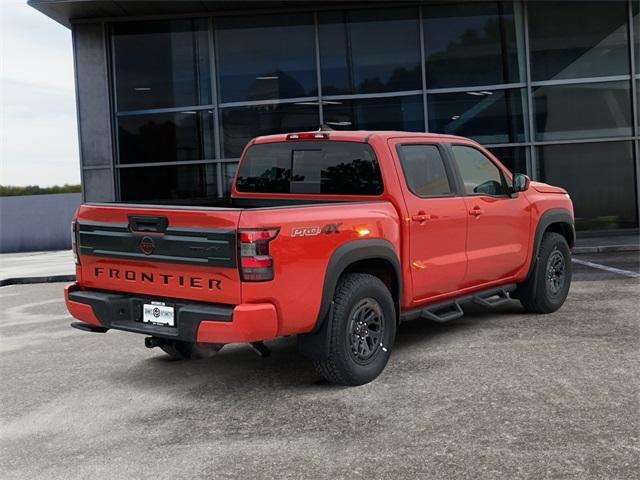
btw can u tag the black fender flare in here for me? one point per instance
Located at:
(549, 217)
(314, 343)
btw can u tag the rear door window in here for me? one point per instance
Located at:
(337, 168)
(424, 170)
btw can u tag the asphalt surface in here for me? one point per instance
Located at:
(496, 394)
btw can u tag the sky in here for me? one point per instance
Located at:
(38, 131)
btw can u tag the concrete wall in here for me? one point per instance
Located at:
(37, 222)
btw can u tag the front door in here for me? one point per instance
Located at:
(437, 220)
(498, 228)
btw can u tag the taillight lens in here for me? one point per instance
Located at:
(256, 265)
(74, 242)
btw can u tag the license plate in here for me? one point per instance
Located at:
(158, 313)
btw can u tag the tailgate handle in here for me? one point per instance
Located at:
(148, 223)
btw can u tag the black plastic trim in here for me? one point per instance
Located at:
(198, 246)
(551, 216)
(347, 254)
(124, 312)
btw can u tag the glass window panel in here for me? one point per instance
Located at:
(516, 159)
(392, 113)
(603, 193)
(470, 44)
(266, 57)
(480, 175)
(166, 137)
(367, 51)
(184, 184)
(496, 116)
(589, 110)
(241, 124)
(424, 170)
(161, 64)
(339, 168)
(568, 40)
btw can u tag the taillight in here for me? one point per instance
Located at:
(308, 136)
(256, 265)
(74, 242)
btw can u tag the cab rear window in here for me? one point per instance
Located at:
(336, 168)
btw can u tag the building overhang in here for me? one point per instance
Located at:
(67, 12)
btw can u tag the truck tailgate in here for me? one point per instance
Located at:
(163, 252)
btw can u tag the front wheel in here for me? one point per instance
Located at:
(363, 329)
(549, 286)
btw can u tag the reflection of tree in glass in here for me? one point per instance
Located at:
(273, 179)
(357, 175)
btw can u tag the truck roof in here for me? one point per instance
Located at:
(360, 135)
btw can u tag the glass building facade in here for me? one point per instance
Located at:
(551, 88)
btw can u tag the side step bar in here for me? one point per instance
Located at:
(452, 309)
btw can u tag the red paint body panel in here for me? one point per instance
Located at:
(250, 324)
(80, 311)
(450, 254)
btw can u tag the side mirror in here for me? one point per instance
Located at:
(520, 183)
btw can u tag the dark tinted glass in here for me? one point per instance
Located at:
(488, 116)
(568, 40)
(470, 44)
(166, 137)
(266, 57)
(189, 184)
(241, 124)
(424, 170)
(364, 51)
(589, 110)
(514, 158)
(479, 174)
(161, 64)
(600, 179)
(340, 168)
(397, 113)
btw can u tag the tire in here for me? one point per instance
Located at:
(362, 331)
(549, 286)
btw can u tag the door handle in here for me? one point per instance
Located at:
(476, 211)
(421, 217)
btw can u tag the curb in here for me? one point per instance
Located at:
(29, 280)
(606, 249)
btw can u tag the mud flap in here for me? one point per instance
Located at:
(316, 345)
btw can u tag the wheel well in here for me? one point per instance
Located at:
(381, 268)
(563, 229)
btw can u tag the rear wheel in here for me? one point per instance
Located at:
(547, 290)
(363, 328)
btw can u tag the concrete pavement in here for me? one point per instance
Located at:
(36, 267)
(495, 395)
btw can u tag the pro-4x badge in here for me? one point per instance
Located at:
(314, 231)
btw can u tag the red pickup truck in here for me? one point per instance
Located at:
(337, 237)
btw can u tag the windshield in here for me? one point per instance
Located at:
(338, 168)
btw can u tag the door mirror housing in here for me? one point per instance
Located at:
(520, 183)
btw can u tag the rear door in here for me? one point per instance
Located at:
(165, 252)
(437, 219)
(498, 233)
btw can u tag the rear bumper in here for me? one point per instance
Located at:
(195, 321)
